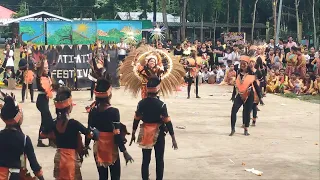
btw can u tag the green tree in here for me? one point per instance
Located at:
(23, 11)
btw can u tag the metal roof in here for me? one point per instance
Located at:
(135, 16)
(41, 14)
(6, 13)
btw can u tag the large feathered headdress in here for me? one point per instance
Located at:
(131, 77)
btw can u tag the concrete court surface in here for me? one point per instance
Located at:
(283, 145)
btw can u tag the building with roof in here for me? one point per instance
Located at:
(39, 16)
(5, 15)
(193, 29)
(135, 16)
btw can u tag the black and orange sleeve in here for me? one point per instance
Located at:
(166, 119)
(29, 151)
(116, 131)
(137, 117)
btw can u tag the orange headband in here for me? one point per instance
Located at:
(153, 89)
(16, 119)
(103, 94)
(63, 104)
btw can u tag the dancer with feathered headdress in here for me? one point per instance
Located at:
(146, 62)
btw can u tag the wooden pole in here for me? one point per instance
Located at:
(24, 75)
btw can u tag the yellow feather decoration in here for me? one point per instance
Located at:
(132, 79)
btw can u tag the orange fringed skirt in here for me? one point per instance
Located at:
(67, 165)
(148, 135)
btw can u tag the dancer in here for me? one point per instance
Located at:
(254, 67)
(44, 85)
(254, 71)
(261, 68)
(66, 133)
(97, 67)
(106, 120)
(14, 144)
(151, 68)
(26, 67)
(145, 62)
(193, 67)
(97, 70)
(153, 113)
(243, 95)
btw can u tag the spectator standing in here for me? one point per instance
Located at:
(122, 50)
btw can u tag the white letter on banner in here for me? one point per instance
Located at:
(84, 59)
(65, 58)
(85, 72)
(54, 72)
(78, 59)
(59, 74)
(60, 59)
(65, 74)
(71, 71)
(79, 74)
(71, 59)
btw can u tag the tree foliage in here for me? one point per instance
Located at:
(107, 9)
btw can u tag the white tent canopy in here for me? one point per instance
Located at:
(40, 16)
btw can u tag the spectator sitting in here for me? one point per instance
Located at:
(206, 74)
(7, 75)
(220, 74)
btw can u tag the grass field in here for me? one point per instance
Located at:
(308, 98)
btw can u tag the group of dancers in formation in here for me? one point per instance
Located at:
(153, 69)
(148, 70)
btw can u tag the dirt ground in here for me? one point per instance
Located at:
(283, 145)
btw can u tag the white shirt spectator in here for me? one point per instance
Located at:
(220, 73)
(235, 57)
(271, 46)
(122, 48)
(280, 46)
(307, 58)
(10, 58)
(206, 75)
(227, 56)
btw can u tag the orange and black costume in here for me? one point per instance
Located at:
(105, 149)
(66, 133)
(193, 67)
(154, 115)
(15, 145)
(243, 94)
(26, 68)
(104, 120)
(69, 155)
(145, 62)
(146, 73)
(45, 92)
